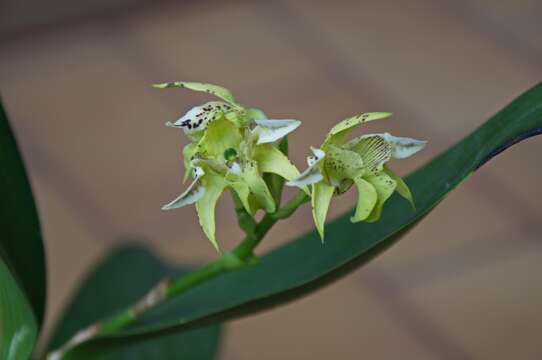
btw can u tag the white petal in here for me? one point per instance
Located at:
(194, 192)
(312, 174)
(403, 147)
(273, 130)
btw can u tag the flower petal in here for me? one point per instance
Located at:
(272, 130)
(384, 186)
(258, 186)
(403, 147)
(367, 197)
(312, 174)
(402, 187)
(216, 90)
(373, 149)
(321, 197)
(339, 133)
(194, 192)
(205, 206)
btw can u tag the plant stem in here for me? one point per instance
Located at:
(170, 288)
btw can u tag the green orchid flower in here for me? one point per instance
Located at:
(338, 164)
(232, 147)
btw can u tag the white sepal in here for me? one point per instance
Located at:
(273, 130)
(312, 174)
(194, 192)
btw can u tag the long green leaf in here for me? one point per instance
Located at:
(118, 281)
(18, 328)
(305, 264)
(21, 245)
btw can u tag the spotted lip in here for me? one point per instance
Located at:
(513, 141)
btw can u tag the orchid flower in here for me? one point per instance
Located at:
(232, 147)
(338, 164)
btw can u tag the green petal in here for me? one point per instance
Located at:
(321, 197)
(272, 130)
(220, 135)
(384, 186)
(216, 90)
(258, 186)
(205, 206)
(195, 191)
(367, 198)
(339, 132)
(374, 151)
(402, 187)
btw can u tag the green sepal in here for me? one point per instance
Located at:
(402, 188)
(258, 187)
(272, 160)
(216, 90)
(321, 197)
(255, 114)
(242, 191)
(274, 181)
(338, 134)
(214, 186)
(367, 197)
(384, 186)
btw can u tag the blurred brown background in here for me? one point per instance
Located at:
(75, 79)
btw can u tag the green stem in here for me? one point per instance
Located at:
(170, 288)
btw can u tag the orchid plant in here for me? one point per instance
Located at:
(136, 306)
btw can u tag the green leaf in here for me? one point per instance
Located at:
(119, 280)
(21, 245)
(18, 328)
(304, 265)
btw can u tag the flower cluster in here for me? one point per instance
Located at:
(232, 147)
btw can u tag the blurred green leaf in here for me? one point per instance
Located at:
(21, 245)
(121, 279)
(18, 328)
(305, 265)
